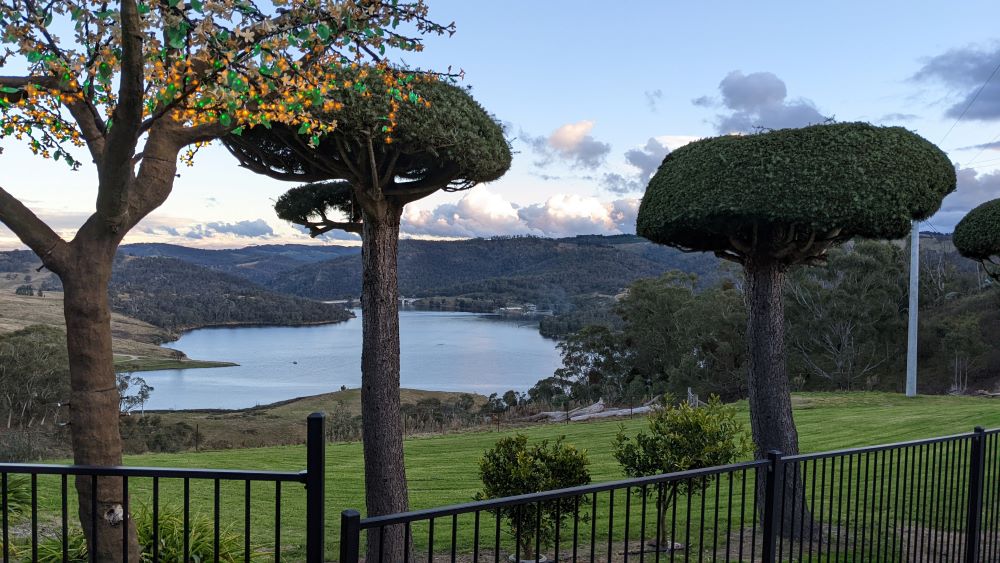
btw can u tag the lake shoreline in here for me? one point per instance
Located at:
(441, 351)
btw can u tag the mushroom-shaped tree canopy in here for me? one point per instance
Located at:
(977, 236)
(441, 139)
(380, 157)
(775, 199)
(792, 193)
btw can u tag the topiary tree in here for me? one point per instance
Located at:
(512, 467)
(136, 85)
(977, 236)
(778, 199)
(680, 438)
(362, 178)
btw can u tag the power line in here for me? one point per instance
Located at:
(972, 101)
(982, 149)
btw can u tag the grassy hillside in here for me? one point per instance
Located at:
(443, 469)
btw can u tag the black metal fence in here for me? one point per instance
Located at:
(922, 501)
(224, 529)
(932, 500)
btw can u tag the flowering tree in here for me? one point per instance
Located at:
(362, 175)
(140, 84)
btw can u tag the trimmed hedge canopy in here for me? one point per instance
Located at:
(977, 235)
(445, 138)
(830, 182)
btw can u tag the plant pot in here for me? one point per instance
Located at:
(541, 559)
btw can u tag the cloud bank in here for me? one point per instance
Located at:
(758, 100)
(571, 143)
(965, 71)
(482, 213)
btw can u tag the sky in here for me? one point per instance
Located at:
(594, 95)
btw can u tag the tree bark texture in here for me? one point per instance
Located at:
(770, 394)
(94, 407)
(382, 425)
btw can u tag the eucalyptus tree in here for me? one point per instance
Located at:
(361, 176)
(977, 237)
(775, 200)
(136, 85)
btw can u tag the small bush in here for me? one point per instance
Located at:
(18, 496)
(512, 467)
(681, 438)
(171, 540)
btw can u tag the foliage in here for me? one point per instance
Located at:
(596, 364)
(171, 539)
(846, 320)
(18, 496)
(683, 437)
(680, 438)
(21, 446)
(817, 185)
(149, 433)
(977, 236)
(133, 392)
(512, 467)
(173, 294)
(449, 142)
(34, 375)
(211, 63)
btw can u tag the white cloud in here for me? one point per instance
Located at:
(572, 143)
(482, 213)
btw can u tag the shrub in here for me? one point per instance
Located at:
(18, 496)
(512, 467)
(171, 540)
(681, 438)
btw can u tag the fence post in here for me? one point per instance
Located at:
(771, 494)
(350, 536)
(973, 521)
(315, 487)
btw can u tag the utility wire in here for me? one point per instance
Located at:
(982, 149)
(972, 101)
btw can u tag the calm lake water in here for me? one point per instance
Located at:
(440, 351)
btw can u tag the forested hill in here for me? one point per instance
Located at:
(259, 264)
(518, 269)
(178, 295)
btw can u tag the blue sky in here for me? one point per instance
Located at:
(594, 95)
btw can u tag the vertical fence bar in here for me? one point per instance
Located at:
(771, 494)
(977, 459)
(350, 536)
(315, 493)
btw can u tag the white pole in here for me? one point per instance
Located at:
(911, 345)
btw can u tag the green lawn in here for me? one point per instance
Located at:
(443, 469)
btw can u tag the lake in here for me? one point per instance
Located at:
(441, 351)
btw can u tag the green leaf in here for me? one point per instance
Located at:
(238, 131)
(9, 90)
(323, 31)
(226, 120)
(143, 9)
(198, 6)
(304, 128)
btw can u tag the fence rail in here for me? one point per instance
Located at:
(926, 500)
(171, 533)
(919, 501)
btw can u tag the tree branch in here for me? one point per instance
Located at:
(316, 229)
(32, 231)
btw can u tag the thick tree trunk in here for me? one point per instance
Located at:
(94, 404)
(382, 425)
(770, 394)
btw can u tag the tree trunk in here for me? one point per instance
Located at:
(382, 425)
(770, 395)
(94, 407)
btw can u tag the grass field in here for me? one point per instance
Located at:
(443, 469)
